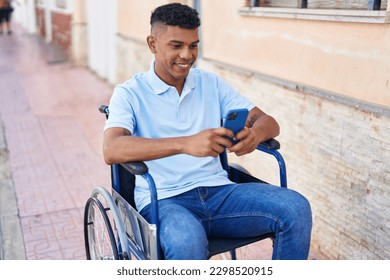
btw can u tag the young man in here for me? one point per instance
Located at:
(169, 117)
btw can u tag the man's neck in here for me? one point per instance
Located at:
(179, 88)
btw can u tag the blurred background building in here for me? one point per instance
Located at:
(320, 67)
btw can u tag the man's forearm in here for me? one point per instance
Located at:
(130, 148)
(264, 126)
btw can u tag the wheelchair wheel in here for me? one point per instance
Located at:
(100, 243)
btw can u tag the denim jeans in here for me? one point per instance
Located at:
(236, 210)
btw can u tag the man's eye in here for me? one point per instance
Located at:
(176, 46)
(194, 46)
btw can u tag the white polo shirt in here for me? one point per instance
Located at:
(148, 107)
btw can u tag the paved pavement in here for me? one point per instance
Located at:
(50, 151)
(51, 147)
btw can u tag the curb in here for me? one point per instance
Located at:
(11, 237)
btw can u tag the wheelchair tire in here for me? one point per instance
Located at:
(100, 243)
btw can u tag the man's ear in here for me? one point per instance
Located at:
(151, 40)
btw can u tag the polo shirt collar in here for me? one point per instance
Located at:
(159, 86)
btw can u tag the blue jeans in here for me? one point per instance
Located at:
(236, 210)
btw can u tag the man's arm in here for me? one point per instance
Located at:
(259, 128)
(120, 146)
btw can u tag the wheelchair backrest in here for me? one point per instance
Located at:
(123, 182)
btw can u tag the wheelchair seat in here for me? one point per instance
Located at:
(134, 237)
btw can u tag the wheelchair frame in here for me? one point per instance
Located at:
(125, 234)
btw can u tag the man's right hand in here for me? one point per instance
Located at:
(209, 142)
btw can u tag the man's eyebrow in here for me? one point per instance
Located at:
(180, 42)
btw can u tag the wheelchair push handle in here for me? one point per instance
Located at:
(104, 110)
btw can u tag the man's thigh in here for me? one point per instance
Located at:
(176, 220)
(252, 209)
(182, 235)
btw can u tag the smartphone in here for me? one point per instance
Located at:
(235, 120)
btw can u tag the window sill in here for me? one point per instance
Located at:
(319, 14)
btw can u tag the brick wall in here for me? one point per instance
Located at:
(40, 14)
(61, 24)
(337, 153)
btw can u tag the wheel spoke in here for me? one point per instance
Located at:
(99, 235)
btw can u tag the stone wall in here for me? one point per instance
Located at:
(337, 153)
(132, 57)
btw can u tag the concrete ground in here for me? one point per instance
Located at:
(50, 151)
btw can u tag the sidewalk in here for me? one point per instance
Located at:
(53, 132)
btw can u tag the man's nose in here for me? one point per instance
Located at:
(185, 53)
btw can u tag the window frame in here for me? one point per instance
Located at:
(339, 15)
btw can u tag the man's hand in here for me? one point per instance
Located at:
(248, 142)
(259, 127)
(209, 142)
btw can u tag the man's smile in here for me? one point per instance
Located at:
(183, 66)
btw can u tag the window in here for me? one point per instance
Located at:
(320, 4)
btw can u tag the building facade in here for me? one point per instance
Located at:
(321, 69)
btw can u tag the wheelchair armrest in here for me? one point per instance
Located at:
(135, 167)
(271, 144)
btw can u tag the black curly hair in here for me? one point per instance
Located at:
(175, 14)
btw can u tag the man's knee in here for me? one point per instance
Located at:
(183, 242)
(299, 212)
(182, 236)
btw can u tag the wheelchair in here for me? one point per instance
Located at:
(114, 230)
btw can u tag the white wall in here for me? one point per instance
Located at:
(24, 14)
(101, 30)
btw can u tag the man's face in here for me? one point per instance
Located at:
(176, 50)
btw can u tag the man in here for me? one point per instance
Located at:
(170, 118)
